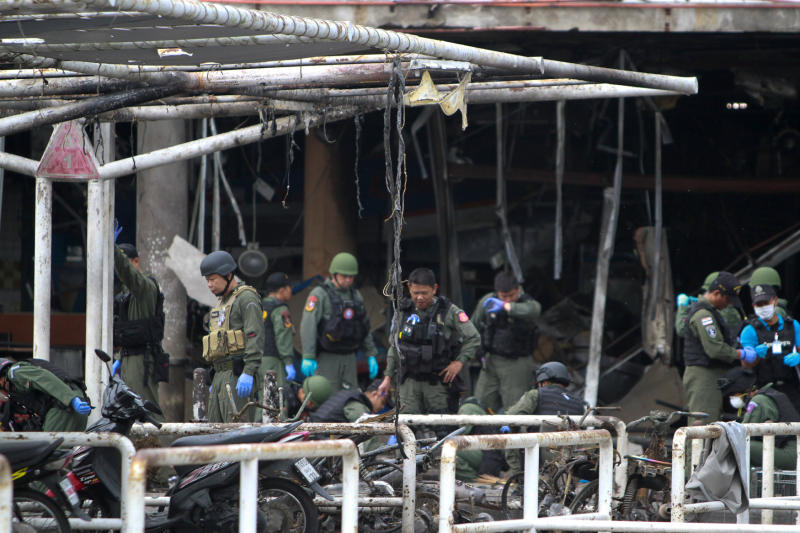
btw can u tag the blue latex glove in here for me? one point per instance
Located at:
(291, 373)
(80, 407)
(210, 388)
(115, 367)
(683, 300)
(748, 354)
(505, 429)
(373, 367)
(244, 385)
(792, 360)
(392, 440)
(117, 230)
(761, 350)
(308, 367)
(493, 305)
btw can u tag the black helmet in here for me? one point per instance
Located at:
(736, 381)
(553, 371)
(219, 262)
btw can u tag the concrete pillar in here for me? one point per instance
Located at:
(329, 199)
(161, 213)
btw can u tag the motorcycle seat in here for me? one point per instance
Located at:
(27, 453)
(238, 436)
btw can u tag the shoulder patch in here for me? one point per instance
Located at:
(311, 303)
(750, 406)
(287, 319)
(462, 317)
(707, 321)
(712, 331)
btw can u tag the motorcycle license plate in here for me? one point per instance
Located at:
(307, 470)
(69, 491)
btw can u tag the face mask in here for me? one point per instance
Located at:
(736, 402)
(765, 312)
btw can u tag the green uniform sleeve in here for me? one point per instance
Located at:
(466, 334)
(248, 305)
(763, 409)
(313, 312)
(526, 405)
(479, 314)
(681, 319)
(710, 336)
(28, 378)
(354, 409)
(141, 286)
(281, 322)
(391, 362)
(527, 311)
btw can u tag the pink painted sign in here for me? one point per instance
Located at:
(69, 155)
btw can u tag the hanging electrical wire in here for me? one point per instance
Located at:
(290, 147)
(358, 121)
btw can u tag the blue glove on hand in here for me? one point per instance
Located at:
(683, 300)
(748, 354)
(80, 407)
(761, 350)
(308, 367)
(505, 429)
(117, 230)
(493, 305)
(392, 440)
(115, 367)
(244, 385)
(210, 388)
(291, 373)
(373, 366)
(792, 360)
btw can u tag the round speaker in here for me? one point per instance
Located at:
(252, 263)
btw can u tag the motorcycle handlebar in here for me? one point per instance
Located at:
(149, 418)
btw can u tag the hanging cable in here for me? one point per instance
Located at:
(290, 147)
(358, 121)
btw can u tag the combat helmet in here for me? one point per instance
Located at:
(345, 264)
(219, 262)
(765, 276)
(553, 371)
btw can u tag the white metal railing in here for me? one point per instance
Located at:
(531, 443)
(6, 495)
(110, 440)
(408, 498)
(767, 502)
(620, 473)
(248, 455)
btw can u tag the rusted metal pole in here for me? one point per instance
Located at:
(200, 395)
(559, 232)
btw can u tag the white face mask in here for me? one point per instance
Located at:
(765, 312)
(736, 402)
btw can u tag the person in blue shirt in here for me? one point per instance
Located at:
(776, 340)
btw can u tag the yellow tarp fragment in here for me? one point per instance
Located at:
(455, 100)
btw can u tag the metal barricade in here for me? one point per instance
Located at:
(620, 473)
(531, 443)
(6, 495)
(111, 440)
(248, 455)
(408, 499)
(767, 502)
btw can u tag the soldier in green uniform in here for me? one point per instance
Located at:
(37, 399)
(505, 320)
(278, 330)
(549, 398)
(335, 326)
(769, 276)
(235, 342)
(435, 339)
(138, 323)
(350, 405)
(472, 463)
(763, 405)
(709, 347)
(320, 389)
(731, 314)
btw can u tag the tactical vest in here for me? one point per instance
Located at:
(507, 336)
(693, 353)
(787, 412)
(555, 400)
(346, 329)
(333, 408)
(771, 369)
(423, 345)
(138, 334)
(222, 342)
(270, 305)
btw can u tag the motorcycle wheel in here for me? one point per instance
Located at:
(287, 506)
(585, 500)
(34, 511)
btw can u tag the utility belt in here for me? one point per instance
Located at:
(158, 366)
(236, 364)
(125, 351)
(223, 342)
(713, 364)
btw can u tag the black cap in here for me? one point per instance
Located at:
(736, 381)
(129, 249)
(762, 293)
(277, 280)
(728, 284)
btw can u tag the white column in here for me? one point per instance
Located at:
(42, 261)
(93, 374)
